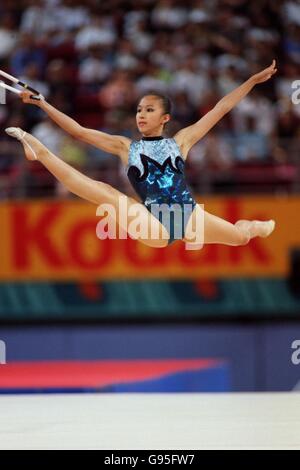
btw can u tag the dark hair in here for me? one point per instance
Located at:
(165, 100)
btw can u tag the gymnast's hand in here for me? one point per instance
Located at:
(26, 97)
(265, 74)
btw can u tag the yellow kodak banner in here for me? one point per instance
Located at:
(42, 240)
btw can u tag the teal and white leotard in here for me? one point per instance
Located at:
(156, 171)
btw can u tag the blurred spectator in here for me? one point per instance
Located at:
(183, 112)
(212, 150)
(73, 15)
(151, 79)
(61, 80)
(94, 68)
(119, 92)
(27, 51)
(125, 57)
(292, 11)
(39, 18)
(8, 35)
(168, 14)
(135, 29)
(49, 134)
(291, 43)
(228, 79)
(190, 80)
(250, 144)
(258, 107)
(100, 31)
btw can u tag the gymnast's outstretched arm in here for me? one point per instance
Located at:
(114, 144)
(188, 136)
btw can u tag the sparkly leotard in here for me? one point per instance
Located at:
(156, 171)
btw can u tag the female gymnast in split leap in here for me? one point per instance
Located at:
(155, 167)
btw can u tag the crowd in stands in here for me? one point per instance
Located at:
(93, 59)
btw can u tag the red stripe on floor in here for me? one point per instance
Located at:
(92, 373)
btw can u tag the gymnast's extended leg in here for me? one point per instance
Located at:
(87, 188)
(218, 230)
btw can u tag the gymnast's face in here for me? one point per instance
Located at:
(150, 116)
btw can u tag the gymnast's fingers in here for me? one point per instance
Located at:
(26, 97)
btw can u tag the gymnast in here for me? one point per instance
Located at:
(155, 168)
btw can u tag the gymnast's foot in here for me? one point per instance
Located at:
(257, 228)
(31, 145)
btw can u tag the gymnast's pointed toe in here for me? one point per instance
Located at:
(265, 227)
(15, 132)
(270, 227)
(25, 139)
